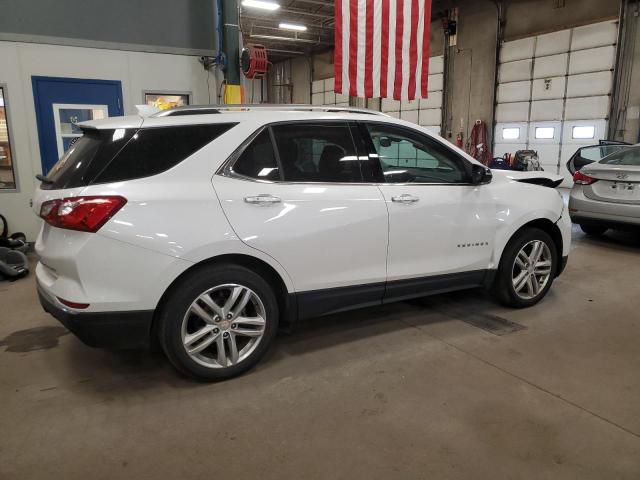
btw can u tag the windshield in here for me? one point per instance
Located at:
(627, 156)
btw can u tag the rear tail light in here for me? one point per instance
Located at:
(582, 179)
(76, 305)
(86, 214)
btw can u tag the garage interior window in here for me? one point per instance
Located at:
(7, 174)
(545, 132)
(511, 133)
(583, 131)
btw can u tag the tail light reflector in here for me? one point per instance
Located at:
(86, 214)
(582, 179)
(78, 306)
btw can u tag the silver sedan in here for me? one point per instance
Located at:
(606, 194)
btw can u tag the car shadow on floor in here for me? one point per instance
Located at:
(105, 373)
(626, 240)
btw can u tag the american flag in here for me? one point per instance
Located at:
(382, 48)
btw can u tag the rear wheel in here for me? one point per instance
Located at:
(218, 322)
(526, 269)
(594, 230)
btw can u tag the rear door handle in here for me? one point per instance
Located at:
(263, 199)
(405, 198)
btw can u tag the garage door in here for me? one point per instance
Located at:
(425, 111)
(554, 93)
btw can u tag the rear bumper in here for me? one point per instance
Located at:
(102, 329)
(587, 211)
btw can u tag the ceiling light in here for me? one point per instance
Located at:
(260, 4)
(293, 26)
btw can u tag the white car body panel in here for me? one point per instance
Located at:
(321, 235)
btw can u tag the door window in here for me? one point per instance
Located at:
(258, 159)
(406, 156)
(7, 174)
(317, 152)
(67, 117)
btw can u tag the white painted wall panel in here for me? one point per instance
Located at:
(551, 66)
(431, 116)
(517, 50)
(340, 98)
(390, 105)
(317, 86)
(434, 82)
(587, 108)
(514, 71)
(317, 98)
(546, 110)
(548, 155)
(409, 105)
(552, 43)
(548, 88)
(588, 84)
(409, 115)
(592, 60)
(329, 98)
(433, 129)
(329, 84)
(514, 92)
(512, 112)
(436, 64)
(434, 100)
(594, 35)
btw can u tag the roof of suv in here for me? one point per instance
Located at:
(200, 114)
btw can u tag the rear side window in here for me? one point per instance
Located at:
(258, 160)
(86, 157)
(154, 150)
(317, 152)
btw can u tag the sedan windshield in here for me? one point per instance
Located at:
(627, 156)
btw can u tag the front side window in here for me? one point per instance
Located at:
(409, 157)
(7, 174)
(317, 152)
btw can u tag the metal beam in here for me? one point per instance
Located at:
(276, 38)
(230, 40)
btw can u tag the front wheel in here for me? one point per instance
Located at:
(526, 269)
(218, 322)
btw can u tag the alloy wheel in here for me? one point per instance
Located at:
(532, 269)
(223, 326)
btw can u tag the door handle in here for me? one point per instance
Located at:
(405, 198)
(263, 199)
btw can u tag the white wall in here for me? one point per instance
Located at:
(137, 71)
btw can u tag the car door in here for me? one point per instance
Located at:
(295, 191)
(441, 227)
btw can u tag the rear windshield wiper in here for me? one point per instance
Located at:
(43, 179)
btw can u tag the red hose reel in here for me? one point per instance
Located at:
(253, 61)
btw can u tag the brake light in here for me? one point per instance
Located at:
(582, 179)
(86, 214)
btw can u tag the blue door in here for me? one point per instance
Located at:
(63, 102)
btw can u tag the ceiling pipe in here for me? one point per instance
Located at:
(288, 39)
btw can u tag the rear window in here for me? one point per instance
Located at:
(102, 156)
(627, 156)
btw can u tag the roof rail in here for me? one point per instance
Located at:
(211, 109)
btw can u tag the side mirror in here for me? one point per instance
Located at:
(480, 175)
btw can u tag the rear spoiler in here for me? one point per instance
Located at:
(542, 181)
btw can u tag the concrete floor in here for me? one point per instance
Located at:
(447, 389)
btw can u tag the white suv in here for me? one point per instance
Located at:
(206, 227)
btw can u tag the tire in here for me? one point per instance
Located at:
(196, 306)
(510, 269)
(593, 230)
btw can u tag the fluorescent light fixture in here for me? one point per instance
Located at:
(293, 26)
(586, 131)
(263, 5)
